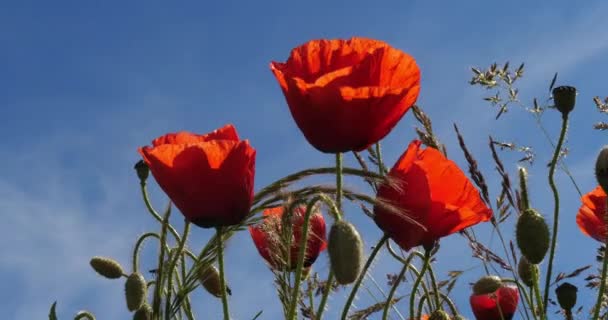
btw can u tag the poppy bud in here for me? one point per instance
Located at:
(143, 313)
(566, 295)
(135, 291)
(209, 278)
(564, 98)
(528, 273)
(107, 267)
(439, 315)
(345, 250)
(532, 235)
(487, 284)
(601, 168)
(142, 169)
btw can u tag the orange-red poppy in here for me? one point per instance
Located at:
(431, 190)
(486, 306)
(591, 217)
(270, 244)
(346, 95)
(208, 177)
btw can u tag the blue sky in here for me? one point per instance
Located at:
(85, 84)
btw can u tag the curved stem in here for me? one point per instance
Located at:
(144, 192)
(420, 304)
(292, 314)
(172, 264)
(368, 263)
(433, 280)
(554, 161)
(391, 293)
(425, 266)
(220, 262)
(140, 240)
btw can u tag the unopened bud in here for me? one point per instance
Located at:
(532, 235)
(528, 273)
(135, 291)
(601, 168)
(143, 313)
(566, 295)
(209, 278)
(107, 267)
(487, 284)
(142, 169)
(564, 98)
(345, 249)
(439, 315)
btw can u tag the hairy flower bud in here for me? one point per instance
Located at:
(439, 315)
(209, 278)
(135, 291)
(601, 168)
(345, 250)
(487, 284)
(564, 98)
(532, 235)
(142, 169)
(107, 267)
(566, 295)
(143, 313)
(528, 273)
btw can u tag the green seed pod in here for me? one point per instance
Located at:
(487, 284)
(143, 313)
(564, 98)
(439, 315)
(566, 295)
(528, 273)
(135, 291)
(107, 267)
(209, 278)
(601, 168)
(532, 235)
(345, 249)
(142, 169)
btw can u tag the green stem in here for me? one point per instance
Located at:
(161, 261)
(433, 280)
(173, 262)
(600, 294)
(425, 266)
(326, 291)
(558, 149)
(144, 192)
(339, 168)
(140, 240)
(368, 263)
(220, 262)
(381, 166)
(394, 289)
(301, 255)
(536, 288)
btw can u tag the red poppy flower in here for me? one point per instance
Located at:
(346, 95)
(267, 237)
(591, 215)
(431, 190)
(208, 177)
(485, 306)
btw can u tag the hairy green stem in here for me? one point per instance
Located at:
(220, 262)
(368, 263)
(173, 263)
(158, 291)
(140, 240)
(144, 192)
(425, 266)
(554, 161)
(394, 288)
(326, 290)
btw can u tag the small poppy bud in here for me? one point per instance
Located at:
(143, 313)
(532, 235)
(487, 284)
(345, 250)
(528, 273)
(566, 295)
(135, 291)
(107, 267)
(439, 315)
(601, 168)
(209, 278)
(142, 169)
(564, 98)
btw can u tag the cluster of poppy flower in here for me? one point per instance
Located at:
(344, 95)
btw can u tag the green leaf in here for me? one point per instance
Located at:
(52, 313)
